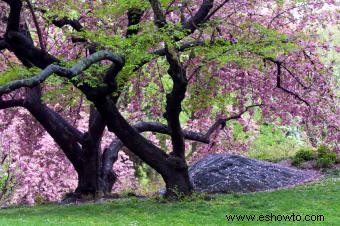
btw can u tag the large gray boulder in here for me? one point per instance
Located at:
(221, 173)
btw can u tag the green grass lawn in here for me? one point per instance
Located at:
(318, 198)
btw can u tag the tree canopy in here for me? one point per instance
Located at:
(180, 69)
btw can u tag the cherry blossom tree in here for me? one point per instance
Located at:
(211, 61)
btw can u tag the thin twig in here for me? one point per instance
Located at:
(36, 24)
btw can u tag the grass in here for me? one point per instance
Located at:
(319, 198)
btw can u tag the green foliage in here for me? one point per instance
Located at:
(7, 179)
(119, 7)
(326, 157)
(120, 44)
(261, 41)
(136, 56)
(16, 72)
(92, 76)
(297, 161)
(280, 2)
(324, 151)
(150, 182)
(273, 144)
(303, 155)
(324, 162)
(142, 175)
(238, 131)
(61, 9)
(201, 92)
(61, 91)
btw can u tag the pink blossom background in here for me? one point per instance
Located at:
(41, 169)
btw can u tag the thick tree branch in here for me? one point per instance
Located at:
(37, 108)
(3, 44)
(24, 49)
(96, 126)
(159, 15)
(173, 99)
(116, 123)
(134, 17)
(79, 136)
(4, 104)
(164, 129)
(62, 71)
(200, 17)
(110, 154)
(14, 15)
(96, 122)
(54, 124)
(45, 115)
(156, 127)
(75, 24)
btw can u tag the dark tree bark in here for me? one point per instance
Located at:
(82, 150)
(94, 169)
(172, 168)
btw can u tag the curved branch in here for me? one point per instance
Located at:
(216, 9)
(279, 84)
(110, 154)
(164, 129)
(158, 128)
(221, 122)
(174, 101)
(62, 71)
